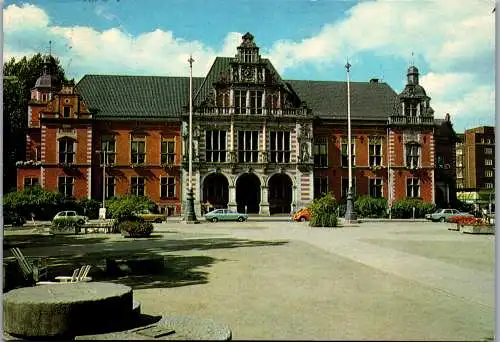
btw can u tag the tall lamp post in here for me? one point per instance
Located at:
(102, 210)
(350, 215)
(189, 213)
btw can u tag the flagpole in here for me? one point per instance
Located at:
(189, 213)
(350, 215)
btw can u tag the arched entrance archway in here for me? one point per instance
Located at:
(248, 193)
(280, 194)
(216, 190)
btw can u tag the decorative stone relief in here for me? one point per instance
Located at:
(411, 136)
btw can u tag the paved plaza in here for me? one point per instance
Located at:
(285, 280)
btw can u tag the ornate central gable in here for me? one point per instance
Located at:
(247, 84)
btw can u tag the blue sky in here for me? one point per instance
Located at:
(451, 44)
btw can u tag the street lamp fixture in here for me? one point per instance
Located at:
(350, 215)
(189, 213)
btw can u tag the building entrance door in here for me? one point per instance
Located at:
(215, 192)
(248, 193)
(280, 194)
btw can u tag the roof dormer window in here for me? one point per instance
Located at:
(66, 112)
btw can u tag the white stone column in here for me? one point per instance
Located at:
(264, 204)
(232, 198)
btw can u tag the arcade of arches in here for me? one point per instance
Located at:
(249, 192)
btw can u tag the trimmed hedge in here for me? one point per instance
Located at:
(136, 228)
(404, 208)
(65, 222)
(366, 206)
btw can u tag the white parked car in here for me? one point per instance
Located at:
(71, 214)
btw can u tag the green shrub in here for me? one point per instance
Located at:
(42, 203)
(90, 207)
(404, 208)
(366, 206)
(136, 227)
(123, 208)
(324, 212)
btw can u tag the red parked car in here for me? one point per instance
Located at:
(302, 215)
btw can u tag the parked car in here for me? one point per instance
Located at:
(225, 215)
(147, 215)
(443, 215)
(13, 218)
(71, 214)
(302, 215)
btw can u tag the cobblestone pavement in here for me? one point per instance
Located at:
(285, 280)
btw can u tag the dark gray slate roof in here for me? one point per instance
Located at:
(133, 97)
(328, 99)
(161, 97)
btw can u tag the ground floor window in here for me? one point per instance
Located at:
(30, 181)
(167, 187)
(137, 186)
(65, 186)
(320, 186)
(110, 186)
(412, 187)
(376, 187)
(345, 186)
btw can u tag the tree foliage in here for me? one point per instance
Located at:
(19, 78)
(124, 208)
(42, 203)
(324, 211)
(366, 206)
(404, 208)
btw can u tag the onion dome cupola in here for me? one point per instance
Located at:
(47, 84)
(413, 100)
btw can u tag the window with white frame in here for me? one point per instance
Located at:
(30, 182)
(167, 187)
(215, 146)
(488, 150)
(412, 155)
(65, 186)
(256, 101)
(488, 173)
(320, 186)
(345, 186)
(137, 186)
(376, 187)
(66, 151)
(108, 148)
(110, 186)
(280, 147)
(138, 150)
(248, 146)
(320, 152)
(375, 151)
(167, 151)
(344, 153)
(240, 101)
(488, 185)
(488, 162)
(413, 187)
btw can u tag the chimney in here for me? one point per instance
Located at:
(374, 80)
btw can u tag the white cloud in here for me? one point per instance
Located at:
(24, 17)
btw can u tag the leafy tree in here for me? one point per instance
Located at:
(19, 78)
(90, 207)
(123, 208)
(42, 203)
(366, 206)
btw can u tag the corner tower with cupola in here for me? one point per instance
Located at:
(411, 143)
(252, 138)
(58, 140)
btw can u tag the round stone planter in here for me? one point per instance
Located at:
(67, 310)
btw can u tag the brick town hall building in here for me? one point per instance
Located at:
(260, 143)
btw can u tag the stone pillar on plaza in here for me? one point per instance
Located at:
(232, 198)
(264, 204)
